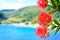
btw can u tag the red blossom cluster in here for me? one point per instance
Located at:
(42, 4)
(41, 31)
(43, 18)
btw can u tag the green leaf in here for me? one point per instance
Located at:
(53, 27)
(58, 4)
(53, 2)
(59, 0)
(52, 12)
(56, 21)
(59, 7)
(58, 28)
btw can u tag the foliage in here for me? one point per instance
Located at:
(55, 6)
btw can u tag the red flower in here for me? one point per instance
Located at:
(42, 31)
(44, 18)
(42, 4)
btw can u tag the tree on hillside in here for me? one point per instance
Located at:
(2, 17)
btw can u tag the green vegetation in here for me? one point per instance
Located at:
(24, 15)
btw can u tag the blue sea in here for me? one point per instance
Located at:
(9, 32)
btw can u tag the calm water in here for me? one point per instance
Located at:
(8, 32)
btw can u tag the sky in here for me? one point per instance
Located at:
(16, 4)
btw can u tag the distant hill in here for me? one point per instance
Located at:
(26, 14)
(5, 10)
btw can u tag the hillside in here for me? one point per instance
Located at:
(26, 14)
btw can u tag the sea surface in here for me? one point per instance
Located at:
(9, 32)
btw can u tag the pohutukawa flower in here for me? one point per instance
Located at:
(42, 4)
(44, 18)
(42, 31)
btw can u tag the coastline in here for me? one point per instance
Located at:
(30, 25)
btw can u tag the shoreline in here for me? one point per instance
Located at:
(30, 25)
